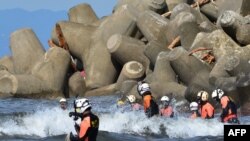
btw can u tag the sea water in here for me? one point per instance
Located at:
(43, 120)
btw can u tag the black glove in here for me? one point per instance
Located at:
(71, 114)
(77, 128)
(73, 137)
(76, 115)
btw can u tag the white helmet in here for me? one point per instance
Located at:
(63, 100)
(82, 105)
(143, 87)
(165, 98)
(218, 93)
(131, 98)
(194, 106)
(203, 95)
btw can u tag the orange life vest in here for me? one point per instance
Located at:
(207, 111)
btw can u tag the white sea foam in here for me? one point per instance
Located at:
(54, 121)
(181, 127)
(41, 124)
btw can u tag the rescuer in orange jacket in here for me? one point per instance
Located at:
(166, 110)
(229, 109)
(207, 110)
(88, 128)
(194, 107)
(134, 105)
(150, 106)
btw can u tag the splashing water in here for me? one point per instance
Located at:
(39, 124)
(52, 121)
(137, 123)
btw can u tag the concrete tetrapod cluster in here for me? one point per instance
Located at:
(178, 46)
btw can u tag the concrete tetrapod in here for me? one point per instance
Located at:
(125, 49)
(152, 26)
(159, 6)
(99, 67)
(7, 63)
(47, 70)
(164, 78)
(77, 85)
(190, 71)
(26, 50)
(132, 70)
(188, 22)
(82, 13)
(77, 36)
(153, 48)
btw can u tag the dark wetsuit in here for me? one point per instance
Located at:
(150, 106)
